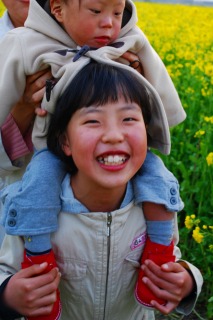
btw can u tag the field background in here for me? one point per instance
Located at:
(183, 37)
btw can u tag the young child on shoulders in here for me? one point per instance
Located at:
(65, 35)
(105, 112)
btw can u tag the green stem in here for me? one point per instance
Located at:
(197, 314)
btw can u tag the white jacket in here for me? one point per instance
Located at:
(98, 261)
(44, 43)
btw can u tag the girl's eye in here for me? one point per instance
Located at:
(91, 121)
(129, 119)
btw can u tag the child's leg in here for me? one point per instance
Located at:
(28, 261)
(155, 184)
(158, 248)
(34, 244)
(34, 207)
(32, 211)
(38, 250)
(159, 223)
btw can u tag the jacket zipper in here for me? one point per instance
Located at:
(109, 221)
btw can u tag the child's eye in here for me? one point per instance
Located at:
(118, 13)
(95, 11)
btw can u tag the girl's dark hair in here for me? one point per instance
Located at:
(95, 84)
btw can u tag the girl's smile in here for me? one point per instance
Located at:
(113, 160)
(108, 145)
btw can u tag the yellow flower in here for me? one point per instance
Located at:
(199, 133)
(2, 9)
(209, 159)
(188, 222)
(209, 119)
(204, 92)
(190, 90)
(205, 227)
(170, 57)
(197, 235)
(189, 55)
(193, 216)
(208, 68)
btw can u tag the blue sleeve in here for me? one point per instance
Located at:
(155, 183)
(32, 205)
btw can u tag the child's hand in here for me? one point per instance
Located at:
(131, 57)
(171, 282)
(30, 293)
(24, 110)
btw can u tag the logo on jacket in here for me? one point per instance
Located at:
(138, 241)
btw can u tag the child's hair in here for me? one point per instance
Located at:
(95, 84)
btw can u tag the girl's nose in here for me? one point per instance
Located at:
(113, 134)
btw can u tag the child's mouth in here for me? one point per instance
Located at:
(112, 160)
(102, 40)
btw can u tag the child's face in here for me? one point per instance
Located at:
(108, 144)
(93, 22)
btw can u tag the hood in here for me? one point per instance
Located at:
(41, 20)
(129, 18)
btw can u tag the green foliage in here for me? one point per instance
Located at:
(182, 36)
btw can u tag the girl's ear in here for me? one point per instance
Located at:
(56, 9)
(65, 145)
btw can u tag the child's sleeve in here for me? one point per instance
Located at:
(31, 206)
(155, 183)
(188, 303)
(15, 144)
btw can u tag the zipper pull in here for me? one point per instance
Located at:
(109, 221)
(81, 52)
(50, 83)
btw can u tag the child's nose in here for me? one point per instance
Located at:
(106, 22)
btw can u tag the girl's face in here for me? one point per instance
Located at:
(108, 145)
(95, 23)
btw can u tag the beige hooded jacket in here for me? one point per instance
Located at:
(98, 255)
(43, 42)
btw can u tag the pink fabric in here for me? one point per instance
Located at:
(15, 144)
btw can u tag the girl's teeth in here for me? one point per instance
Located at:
(112, 160)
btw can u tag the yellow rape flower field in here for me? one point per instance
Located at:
(183, 37)
(1, 8)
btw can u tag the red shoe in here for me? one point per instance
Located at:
(159, 254)
(50, 259)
